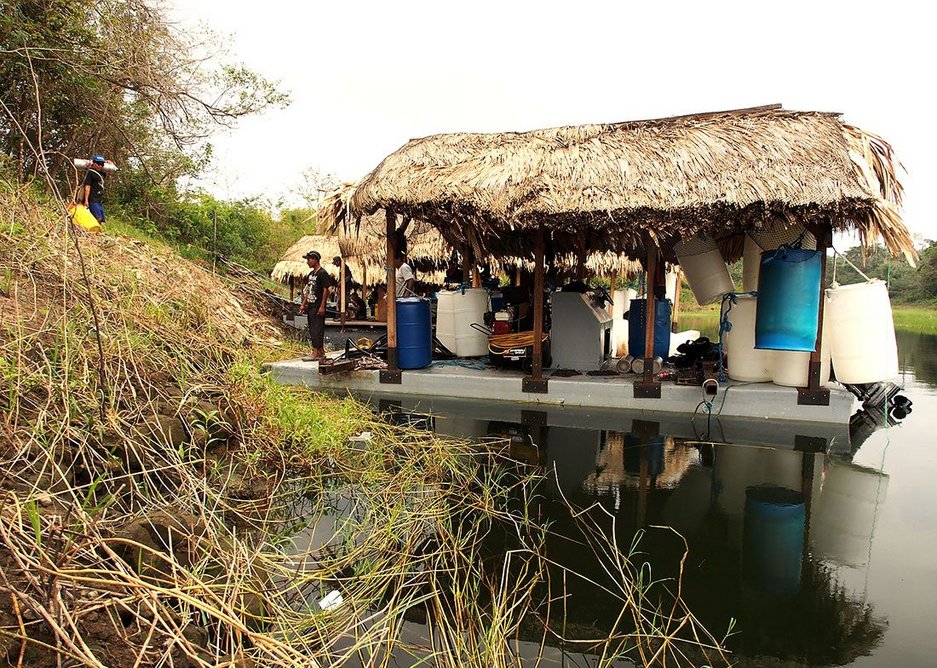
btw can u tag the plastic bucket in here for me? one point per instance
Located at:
(414, 333)
(661, 328)
(788, 300)
(704, 268)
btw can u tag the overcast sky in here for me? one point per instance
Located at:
(367, 76)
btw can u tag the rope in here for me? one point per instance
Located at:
(858, 271)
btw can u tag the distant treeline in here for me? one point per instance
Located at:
(906, 284)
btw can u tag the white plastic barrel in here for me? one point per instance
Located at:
(745, 362)
(792, 369)
(862, 333)
(670, 284)
(469, 308)
(83, 163)
(751, 264)
(445, 319)
(704, 268)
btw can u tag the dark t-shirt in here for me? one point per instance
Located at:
(95, 179)
(348, 278)
(316, 283)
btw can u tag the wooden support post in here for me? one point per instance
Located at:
(476, 277)
(291, 287)
(581, 258)
(467, 262)
(392, 373)
(342, 303)
(675, 324)
(647, 387)
(535, 382)
(517, 275)
(813, 394)
(612, 280)
(364, 288)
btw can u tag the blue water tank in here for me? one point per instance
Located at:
(773, 539)
(788, 299)
(661, 328)
(414, 333)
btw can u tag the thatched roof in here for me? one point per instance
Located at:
(293, 264)
(364, 237)
(617, 187)
(357, 258)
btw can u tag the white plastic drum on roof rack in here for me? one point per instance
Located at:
(704, 267)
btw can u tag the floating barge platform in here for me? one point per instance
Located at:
(759, 401)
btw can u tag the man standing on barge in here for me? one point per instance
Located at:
(315, 294)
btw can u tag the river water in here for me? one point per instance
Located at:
(819, 543)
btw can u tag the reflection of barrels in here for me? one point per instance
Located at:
(773, 540)
(847, 512)
(654, 451)
(414, 333)
(788, 300)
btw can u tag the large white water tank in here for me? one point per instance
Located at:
(704, 268)
(751, 264)
(862, 333)
(445, 319)
(469, 309)
(792, 369)
(745, 362)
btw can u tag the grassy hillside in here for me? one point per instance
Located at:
(165, 504)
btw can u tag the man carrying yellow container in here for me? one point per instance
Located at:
(92, 190)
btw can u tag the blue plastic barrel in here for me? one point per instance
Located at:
(661, 328)
(414, 333)
(497, 301)
(773, 539)
(788, 300)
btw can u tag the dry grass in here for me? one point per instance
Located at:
(163, 504)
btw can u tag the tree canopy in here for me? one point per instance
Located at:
(115, 77)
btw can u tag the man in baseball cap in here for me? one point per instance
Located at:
(92, 191)
(315, 294)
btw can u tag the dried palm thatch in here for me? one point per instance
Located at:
(426, 248)
(619, 187)
(293, 265)
(364, 238)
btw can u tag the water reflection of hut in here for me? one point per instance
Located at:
(675, 459)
